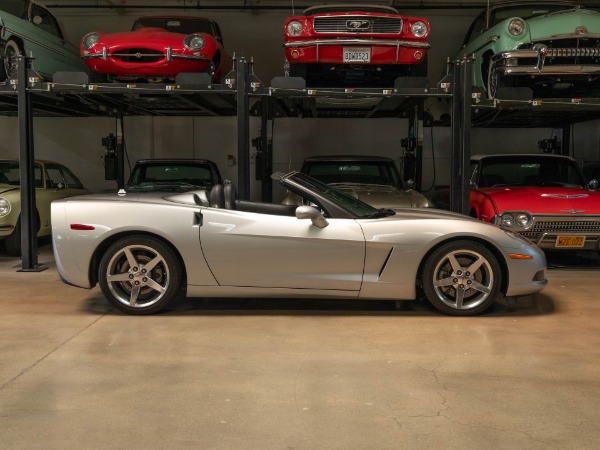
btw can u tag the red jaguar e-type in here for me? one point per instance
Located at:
(158, 48)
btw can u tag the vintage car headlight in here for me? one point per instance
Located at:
(89, 40)
(4, 207)
(194, 42)
(418, 29)
(516, 27)
(516, 219)
(294, 28)
(523, 219)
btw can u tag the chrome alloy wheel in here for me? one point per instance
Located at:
(464, 279)
(140, 274)
(461, 278)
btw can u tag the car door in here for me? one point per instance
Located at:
(52, 53)
(271, 251)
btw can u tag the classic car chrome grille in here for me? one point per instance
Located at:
(357, 24)
(138, 55)
(577, 226)
(559, 51)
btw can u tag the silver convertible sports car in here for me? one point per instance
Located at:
(143, 249)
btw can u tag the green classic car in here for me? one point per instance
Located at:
(53, 181)
(551, 47)
(28, 28)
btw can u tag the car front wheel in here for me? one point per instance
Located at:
(461, 278)
(10, 63)
(140, 275)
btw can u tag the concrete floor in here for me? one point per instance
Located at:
(259, 374)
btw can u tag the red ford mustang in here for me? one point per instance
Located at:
(540, 196)
(355, 44)
(158, 48)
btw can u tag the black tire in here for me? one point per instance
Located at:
(299, 70)
(12, 243)
(461, 266)
(126, 281)
(9, 59)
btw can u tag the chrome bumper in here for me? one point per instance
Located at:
(376, 42)
(168, 54)
(507, 63)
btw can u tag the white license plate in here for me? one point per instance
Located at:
(570, 241)
(357, 54)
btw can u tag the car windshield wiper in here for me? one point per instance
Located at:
(381, 212)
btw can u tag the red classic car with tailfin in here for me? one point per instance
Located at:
(543, 197)
(358, 44)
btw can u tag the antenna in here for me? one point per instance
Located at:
(294, 9)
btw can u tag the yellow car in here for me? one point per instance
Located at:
(53, 181)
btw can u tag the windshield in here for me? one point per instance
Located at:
(175, 24)
(529, 171)
(354, 172)
(357, 208)
(177, 177)
(10, 174)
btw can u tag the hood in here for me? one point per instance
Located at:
(4, 188)
(429, 214)
(564, 23)
(544, 200)
(387, 197)
(138, 38)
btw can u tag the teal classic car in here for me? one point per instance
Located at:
(551, 47)
(28, 28)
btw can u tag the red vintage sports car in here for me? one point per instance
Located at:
(543, 197)
(158, 48)
(355, 44)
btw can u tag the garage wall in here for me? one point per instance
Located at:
(77, 141)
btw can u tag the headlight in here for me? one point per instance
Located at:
(194, 42)
(507, 220)
(516, 27)
(294, 28)
(90, 39)
(523, 219)
(516, 219)
(4, 207)
(419, 29)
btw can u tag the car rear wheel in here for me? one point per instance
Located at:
(461, 278)
(140, 275)
(9, 60)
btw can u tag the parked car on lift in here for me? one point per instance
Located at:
(173, 175)
(543, 197)
(53, 181)
(28, 28)
(158, 48)
(374, 180)
(355, 44)
(143, 249)
(552, 47)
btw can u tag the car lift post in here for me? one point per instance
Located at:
(243, 123)
(462, 87)
(29, 262)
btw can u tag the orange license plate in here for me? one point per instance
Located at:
(570, 241)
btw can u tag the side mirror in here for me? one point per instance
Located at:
(593, 185)
(308, 212)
